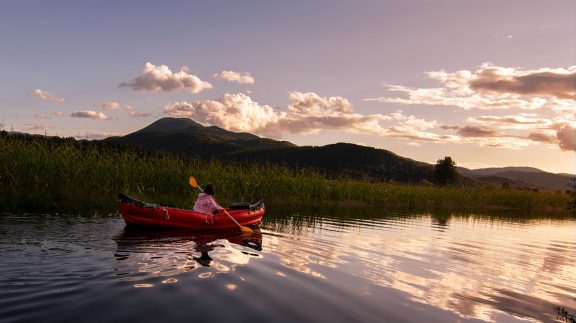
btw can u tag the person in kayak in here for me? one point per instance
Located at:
(206, 203)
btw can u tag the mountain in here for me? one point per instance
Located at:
(496, 170)
(344, 159)
(528, 177)
(186, 137)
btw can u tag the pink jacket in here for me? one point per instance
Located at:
(206, 204)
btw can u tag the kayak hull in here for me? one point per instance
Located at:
(140, 213)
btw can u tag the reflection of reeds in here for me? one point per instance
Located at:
(563, 315)
(42, 174)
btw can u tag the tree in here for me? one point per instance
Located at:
(445, 172)
(572, 205)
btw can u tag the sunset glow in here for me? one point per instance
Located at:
(489, 83)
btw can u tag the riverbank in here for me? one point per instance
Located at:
(43, 174)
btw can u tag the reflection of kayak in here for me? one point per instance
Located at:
(139, 238)
(144, 252)
(148, 214)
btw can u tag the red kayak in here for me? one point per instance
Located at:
(155, 215)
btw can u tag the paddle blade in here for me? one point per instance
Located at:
(246, 230)
(192, 181)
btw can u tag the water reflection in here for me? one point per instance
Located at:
(476, 267)
(441, 221)
(369, 266)
(146, 253)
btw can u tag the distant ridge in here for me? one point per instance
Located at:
(495, 170)
(529, 177)
(184, 136)
(187, 137)
(345, 159)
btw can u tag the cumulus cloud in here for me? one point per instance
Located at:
(154, 78)
(493, 87)
(231, 76)
(90, 115)
(235, 112)
(310, 113)
(312, 103)
(307, 113)
(567, 137)
(45, 95)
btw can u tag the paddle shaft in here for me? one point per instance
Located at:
(231, 218)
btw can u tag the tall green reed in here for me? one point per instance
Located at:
(65, 175)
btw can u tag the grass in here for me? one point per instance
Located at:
(42, 174)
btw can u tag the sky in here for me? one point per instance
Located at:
(489, 83)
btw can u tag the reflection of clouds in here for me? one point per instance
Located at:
(477, 268)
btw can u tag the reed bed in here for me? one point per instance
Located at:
(40, 174)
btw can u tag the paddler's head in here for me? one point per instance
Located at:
(209, 189)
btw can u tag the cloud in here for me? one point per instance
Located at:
(94, 135)
(38, 127)
(521, 119)
(475, 131)
(45, 95)
(307, 113)
(561, 134)
(493, 87)
(90, 115)
(559, 131)
(559, 83)
(154, 78)
(129, 109)
(567, 137)
(235, 112)
(310, 113)
(312, 103)
(135, 114)
(542, 137)
(543, 91)
(110, 106)
(230, 76)
(520, 122)
(49, 115)
(489, 137)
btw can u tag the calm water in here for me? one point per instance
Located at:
(294, 269)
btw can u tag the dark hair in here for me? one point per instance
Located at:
(209, 189)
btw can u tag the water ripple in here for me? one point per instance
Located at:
(417, 268)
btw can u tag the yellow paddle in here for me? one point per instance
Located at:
(194, 184)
